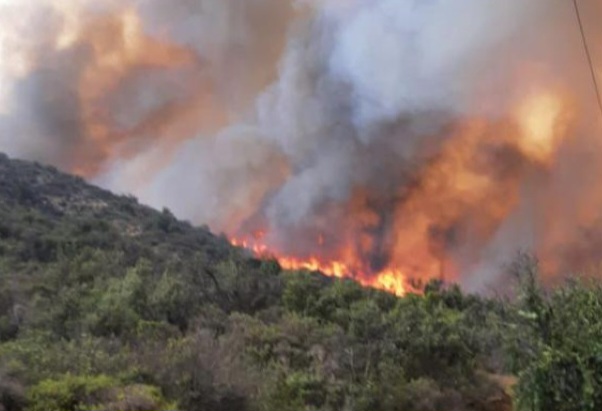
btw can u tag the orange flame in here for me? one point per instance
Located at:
(392, 281)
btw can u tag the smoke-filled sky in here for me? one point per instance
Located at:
(412, 138)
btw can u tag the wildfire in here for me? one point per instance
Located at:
(459, 200)
(117, 87)
(392, 281)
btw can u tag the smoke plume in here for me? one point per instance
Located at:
(383, 139)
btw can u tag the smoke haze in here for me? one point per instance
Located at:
(392, 138)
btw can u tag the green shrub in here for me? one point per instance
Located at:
(91, 393)
(70, 393)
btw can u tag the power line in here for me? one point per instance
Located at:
(589, 55)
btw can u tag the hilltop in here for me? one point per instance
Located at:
(109, 304)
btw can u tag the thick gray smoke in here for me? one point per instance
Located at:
(293, 116)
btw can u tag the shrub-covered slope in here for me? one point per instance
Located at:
(107, 304)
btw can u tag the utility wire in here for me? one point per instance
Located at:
(589, 55)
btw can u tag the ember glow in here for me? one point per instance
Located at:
(467, 134)
(544, 120)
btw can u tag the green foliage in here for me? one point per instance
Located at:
(560, 345)
(297, 391)
(108, 304)
(91, 393)
(69, 393)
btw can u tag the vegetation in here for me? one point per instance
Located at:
(109, 305)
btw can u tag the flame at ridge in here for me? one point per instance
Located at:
(392, 281)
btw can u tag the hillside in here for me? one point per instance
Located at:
(109, 304)
(49, 220)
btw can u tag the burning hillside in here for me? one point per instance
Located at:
(459, 197)
(389, 141)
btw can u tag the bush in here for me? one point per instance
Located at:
(88, 393)
(69, 393)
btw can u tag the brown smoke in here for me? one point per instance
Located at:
(101, 85)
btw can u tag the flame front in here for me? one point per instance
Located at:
(388, 280)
